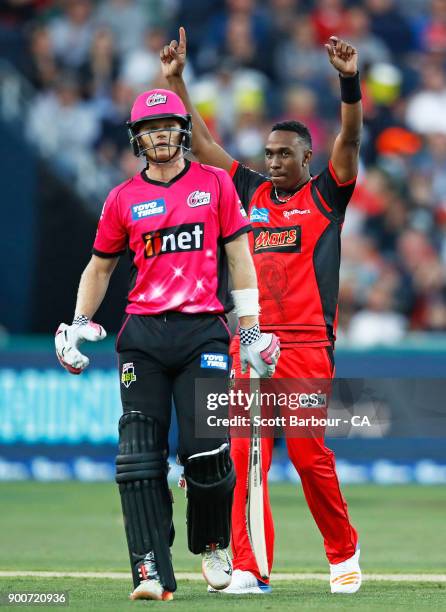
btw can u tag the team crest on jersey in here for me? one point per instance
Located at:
(259, 215)
(128, 374)
(156, 98)
(277, 239)
(198, 198)
(148, 209)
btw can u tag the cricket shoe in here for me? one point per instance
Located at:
(150, 586)
(346, 577)
(216, 566)
(244, 582)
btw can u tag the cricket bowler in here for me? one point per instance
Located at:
(297, 221)
(184, 229)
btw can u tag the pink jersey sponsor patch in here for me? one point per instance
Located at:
(175, 233)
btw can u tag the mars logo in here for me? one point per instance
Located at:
(128, 374)
(198, 198)
(186, 237)
(278, 239)
(156, 98)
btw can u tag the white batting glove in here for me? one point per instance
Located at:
(260, 351)
(70, 337)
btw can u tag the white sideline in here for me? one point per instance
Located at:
(198, 576)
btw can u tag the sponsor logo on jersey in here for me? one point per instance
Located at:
(128, 374)
(148, 209)
(259, 215)
(198, 198)
(156, 98)
(214, 361)
(242, 211)
(277, 239)
(296, 211)
(179, 238)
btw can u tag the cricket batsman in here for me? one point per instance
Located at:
(184, 228)
(297, 221)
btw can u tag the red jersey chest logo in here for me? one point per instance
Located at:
(277, 239)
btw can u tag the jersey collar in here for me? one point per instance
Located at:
(275, 201)
(169, 183)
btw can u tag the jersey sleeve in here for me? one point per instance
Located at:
(232, 215)
(111, 235)
(334, 194)
(246, 182)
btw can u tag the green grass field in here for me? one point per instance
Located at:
(78, 527)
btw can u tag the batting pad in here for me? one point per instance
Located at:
(210, 481)
(141, 473)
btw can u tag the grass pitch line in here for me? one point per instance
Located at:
(198, 577)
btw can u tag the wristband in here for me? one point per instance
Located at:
(246, 302)
(350, 89)
(80, 320)
(251, 335)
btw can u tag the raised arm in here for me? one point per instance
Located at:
(204, 147)
(345, 154)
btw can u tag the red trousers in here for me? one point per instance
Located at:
(313, 461)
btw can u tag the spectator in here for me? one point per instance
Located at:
(371, 49)
(63, 126)
(141, 65)
(128, 21)
(254, 21)
(431, 164)
(41, 67)
(425, 110)
(301, 103)
(377, 323)
(72, 32)
(283, 15)
(328, 18)
(430, 28)
(302, 59)
(100, 69)
(222, 96)
(390, 25)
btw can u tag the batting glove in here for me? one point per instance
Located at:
(69, 337)
(260, 351)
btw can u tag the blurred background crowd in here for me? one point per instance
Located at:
(251, 63)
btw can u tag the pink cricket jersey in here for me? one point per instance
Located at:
(175, 234)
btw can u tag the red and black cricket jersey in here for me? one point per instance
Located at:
(296, 250)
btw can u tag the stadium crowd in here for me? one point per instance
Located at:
(252, 63)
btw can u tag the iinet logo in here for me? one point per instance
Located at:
(186, 237)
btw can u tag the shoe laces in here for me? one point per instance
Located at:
(216, 557)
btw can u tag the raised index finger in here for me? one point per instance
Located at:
(182, 33)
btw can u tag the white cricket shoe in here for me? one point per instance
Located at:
(150, 586)
(244, 582)
(346, 577)
(216, 566)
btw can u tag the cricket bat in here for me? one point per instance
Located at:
(254, 512)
